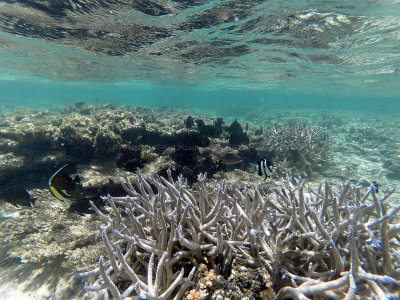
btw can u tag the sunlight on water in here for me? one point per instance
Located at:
(275, 125)
(295, 45)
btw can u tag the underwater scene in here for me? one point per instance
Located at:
(198, 149)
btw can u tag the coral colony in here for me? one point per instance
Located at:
(192, 238)
(328, 243)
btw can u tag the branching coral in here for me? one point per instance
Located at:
(172, 227)
(300, 147)
(345, 245)
(323, 243)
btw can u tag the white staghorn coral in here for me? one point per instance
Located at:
(297, 148)
(172, 227)
(353, 232)
(323, 243)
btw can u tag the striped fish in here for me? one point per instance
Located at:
(264, 168)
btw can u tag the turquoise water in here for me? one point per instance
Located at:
(42, 94)
(293, 54)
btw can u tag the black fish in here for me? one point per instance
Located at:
(112, 189)
(80, 198)
(17, 196)
(82, 206)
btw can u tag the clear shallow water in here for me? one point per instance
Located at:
(284, 49)
(258, 61)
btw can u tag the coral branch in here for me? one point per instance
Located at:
(327, 242)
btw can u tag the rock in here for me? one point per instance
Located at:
(189, 122)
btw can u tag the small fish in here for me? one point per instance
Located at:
(263, 167)
(61, 185)
(82, 205)
(324, 136)
(17, 196)
(375, 186)
(229, 158)
(111, 188)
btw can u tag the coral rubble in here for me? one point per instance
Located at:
(324, 243)
(42, 246)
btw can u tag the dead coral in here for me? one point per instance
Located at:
(243, 283)
(44, 245)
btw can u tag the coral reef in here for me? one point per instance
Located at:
(158, 225)
(322, 243)
(299, 148)
(35, 143)
(44, 244)
(236, 134)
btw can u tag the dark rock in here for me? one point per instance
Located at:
(82, 206)
(219, 122)
(185, 157)
(129, 159)
(154, 138)
(112, 189)
(191, 164)
(218, 126)
(189, 122)
(207, 165)
(249, 155)
(214, 130)
(235, 127)
(83, 153)
(131, 135)
(237, 139)
(79, 104)
(190, 140)
(237, 135)
(200, 124)
(186, 144)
